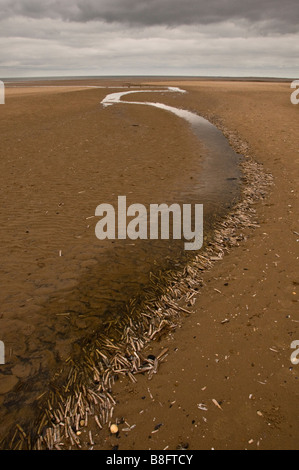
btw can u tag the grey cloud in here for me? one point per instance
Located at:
(53, 47)
(278, 15)
(149, 37)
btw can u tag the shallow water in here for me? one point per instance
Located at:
(104, 293)
(217, 184)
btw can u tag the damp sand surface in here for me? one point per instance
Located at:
(63, 154)
(228, 381)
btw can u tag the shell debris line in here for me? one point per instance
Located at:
(83, 389)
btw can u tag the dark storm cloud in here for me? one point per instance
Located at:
(149, 37)
(279, 15)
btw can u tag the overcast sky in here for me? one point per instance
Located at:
(149, 37)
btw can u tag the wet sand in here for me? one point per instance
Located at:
(253, 287)
(61, 156)
(234, 350)
(60, 159)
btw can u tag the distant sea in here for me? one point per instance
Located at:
(148, 77)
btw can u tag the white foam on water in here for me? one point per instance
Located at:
(192, 118)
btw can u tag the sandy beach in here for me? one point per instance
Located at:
(61, 156)
(226, 380)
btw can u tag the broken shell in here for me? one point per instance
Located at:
(114, 429)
